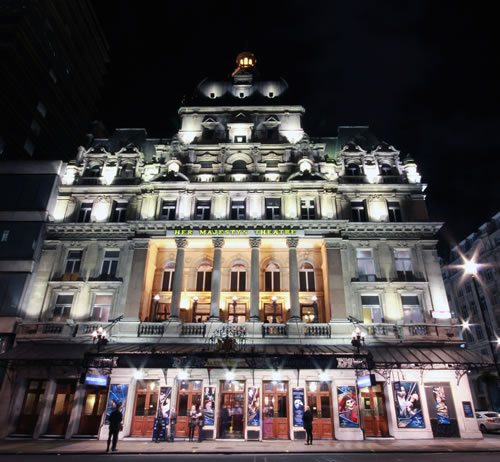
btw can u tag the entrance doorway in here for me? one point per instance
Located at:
(31, 407)
(145, 408)
(373, 411)
(232, 410)
(94, 405)
(275, 411)
(61, 407)
(442, 412)
(189, 394)
(319, 400)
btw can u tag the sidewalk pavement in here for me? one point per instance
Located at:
(140, 446)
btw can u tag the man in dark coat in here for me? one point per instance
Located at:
(308, 425)
(115, 425)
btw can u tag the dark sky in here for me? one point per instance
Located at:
(423, 74)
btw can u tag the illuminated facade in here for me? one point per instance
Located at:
(229, 266)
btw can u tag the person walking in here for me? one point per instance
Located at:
(115, 425)
(308, 425)
(193, 418)
(201, 424)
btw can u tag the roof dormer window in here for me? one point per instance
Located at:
(212, 95)
(242, 95)
(240, 139)
(271, 94)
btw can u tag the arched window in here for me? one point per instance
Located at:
(272, 278)
(93, 171)
(306, 278)
(168, 277)
(239, 166)
(386, 170)
(127, 170)
(353, 169)
(204, 278)
(238, 278)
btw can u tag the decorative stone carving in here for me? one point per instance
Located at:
(218, 242)
(255, 242)
(292, 242)
(181, 242)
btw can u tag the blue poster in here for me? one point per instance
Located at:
(117, 395)
(443, 417)
(253, 414)
(348, 406)
(209, 406)
(298, 407)
(408, 405)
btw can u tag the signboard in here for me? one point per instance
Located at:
(253, 407)
(468, 409)
(98, 380)
(209, 406)
(366, 381)
(408, 405)
(442, 415)
(347, 403)
(117, 395)
(234, 232)
(298, 407)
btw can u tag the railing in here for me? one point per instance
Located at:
(150, 329)
(317, 330)
(45, 329)
(194, 329)
(417, 329)
(383, 330)
(274, 330)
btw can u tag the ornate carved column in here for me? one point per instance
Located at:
(254, 278)
(292, 243)
(218, 243)
(335, 281)
(181, 243)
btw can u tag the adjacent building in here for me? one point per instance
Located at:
(477, 305)
(247, 268)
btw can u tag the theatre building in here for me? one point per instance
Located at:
(245, 267)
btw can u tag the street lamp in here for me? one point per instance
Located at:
(156, 300)
(315, 308)
(275, 307)
(99, 336)
(193, 308)
(471, 268)
(358, 339)
(235, 300)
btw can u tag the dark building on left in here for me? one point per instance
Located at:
(53, 58)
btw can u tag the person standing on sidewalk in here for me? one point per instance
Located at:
(115, 425)
(308, 425)
(173, 421)
(193, 419)
(201, 424)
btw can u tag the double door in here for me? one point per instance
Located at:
(189, 395)
(32, 405)
(94, 405)
(373, 411)
(275, 410)
(232, 410)
(61, 407)
(145, 408)
(319, 400)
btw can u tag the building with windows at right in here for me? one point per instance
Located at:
(476, 301)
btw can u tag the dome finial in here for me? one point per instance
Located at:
(245, 61)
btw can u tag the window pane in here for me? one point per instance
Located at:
(199, 281)
(234, 279)
(88, 407)
(302, 281)
(282, 406)
(310, 281)
(276, 281)
(369, 300)
(208, 280)
(243, 280)
(59, 404)
(410, 300)
(268, 281)
(325, 407)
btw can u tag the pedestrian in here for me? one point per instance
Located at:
(193, 418)
(173, 421)
(307, 418)
(115, 425)
(225, 421)
(201, 424)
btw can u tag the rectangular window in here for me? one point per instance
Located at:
(307, 209)
(372, 311)
(238, 281)
(412, 311)
(404, 267)
(468, 288)
(168, 210)
(479, 332)
(101, 308)
(4, 236)
(202, 211)
(119, 214)
(62, 307)
(273, 208)
(358, 211)
(240, 139)
(110, 262)
(238, 209)
(473, 308)
(366, 264)
(85, 211)
(306, 281)
(203, 281)
(168, 279)
(73, 261)
(394, 209)
(272, 281)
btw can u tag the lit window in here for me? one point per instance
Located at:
(204, 278)
(358, 211)
(372, 311)
(73, 261)
(240, 138)
(110, 262)
(366, 264)
(272, 278)
(212, 95)
(238, 210)
(412, 311)
(394, 209)
(119, 213)
(5, 236)
(238, 278)
(306, 278)
(101, 308)
(168, 277)
(168, 210)
(62, 307)
(404, 266)
(202, 211)
(85, 212)
(273, 208)
(307, 209)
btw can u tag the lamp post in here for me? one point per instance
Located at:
(156, 300)
(471, 268)
(193, 308)
(235, 300)
(99, 336)
(315, 308)
(275, 307)
(358, 339)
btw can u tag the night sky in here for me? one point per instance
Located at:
(423, 74)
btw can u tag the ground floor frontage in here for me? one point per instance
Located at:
(240, 403)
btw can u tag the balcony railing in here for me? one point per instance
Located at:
(148, 329)
(274, 330)
(45, 329)
(194, 329)
(317, 330)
